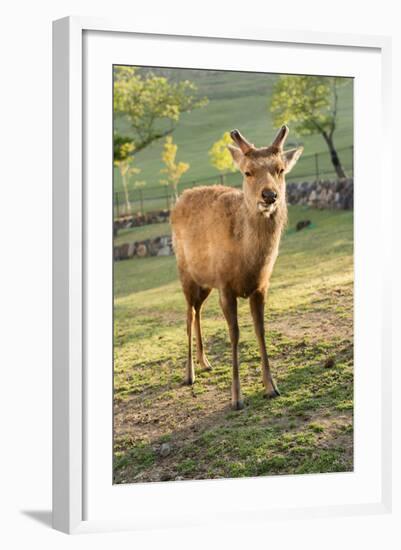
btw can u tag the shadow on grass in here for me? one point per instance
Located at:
(307, 429)
(288, 435)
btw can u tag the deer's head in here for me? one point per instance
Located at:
(264, 170)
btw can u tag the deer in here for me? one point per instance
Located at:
(228, 239)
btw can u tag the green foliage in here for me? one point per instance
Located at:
(127, 167)
(310, 104)
(149, 102)
(220, 156)
(235, 100)
(123, 148)
(173, 170)
(124, 161)
(307, 103)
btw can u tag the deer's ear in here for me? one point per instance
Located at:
(291, 157)
(236, 153)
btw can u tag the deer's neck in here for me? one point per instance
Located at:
(261, 235)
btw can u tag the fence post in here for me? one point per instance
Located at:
(317, 166)
(222, 179)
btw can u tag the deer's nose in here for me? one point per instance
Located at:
(269, 196)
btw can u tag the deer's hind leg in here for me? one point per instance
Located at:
(195, 296)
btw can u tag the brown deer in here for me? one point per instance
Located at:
(228, 239)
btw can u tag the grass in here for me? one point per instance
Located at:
(308, 429)
(236, 100)
(142, 233)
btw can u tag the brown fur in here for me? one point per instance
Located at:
(228, 239)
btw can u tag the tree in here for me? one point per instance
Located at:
(310, 104)
(172, 170)
(124, 160)
(220, 156)
(150, 104)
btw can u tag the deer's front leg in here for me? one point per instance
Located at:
(257, 303)
(228, 304)
(190, 371)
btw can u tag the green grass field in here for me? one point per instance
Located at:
(309, 428)
(236, 100)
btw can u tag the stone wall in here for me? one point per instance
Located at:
(159, 246)
(323, 194)
(138, 219)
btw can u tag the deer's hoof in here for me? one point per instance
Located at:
(189, 381)
(271, 394)
(237, 405)
(204, 363)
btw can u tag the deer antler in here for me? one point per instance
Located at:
(242, 143)
(280, 137)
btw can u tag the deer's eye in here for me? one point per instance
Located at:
(248, 174)
(280, 171)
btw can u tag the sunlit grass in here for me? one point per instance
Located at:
(310, 343)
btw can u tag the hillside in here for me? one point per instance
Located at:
(236, 100)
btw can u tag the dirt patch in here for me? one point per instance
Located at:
(170, 423)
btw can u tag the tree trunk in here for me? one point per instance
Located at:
(126, 194)
(334, 157)
(175, 189)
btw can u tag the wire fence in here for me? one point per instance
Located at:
(315, 167)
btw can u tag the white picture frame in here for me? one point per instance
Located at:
(71, 337)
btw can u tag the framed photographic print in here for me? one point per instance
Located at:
(220, 322)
